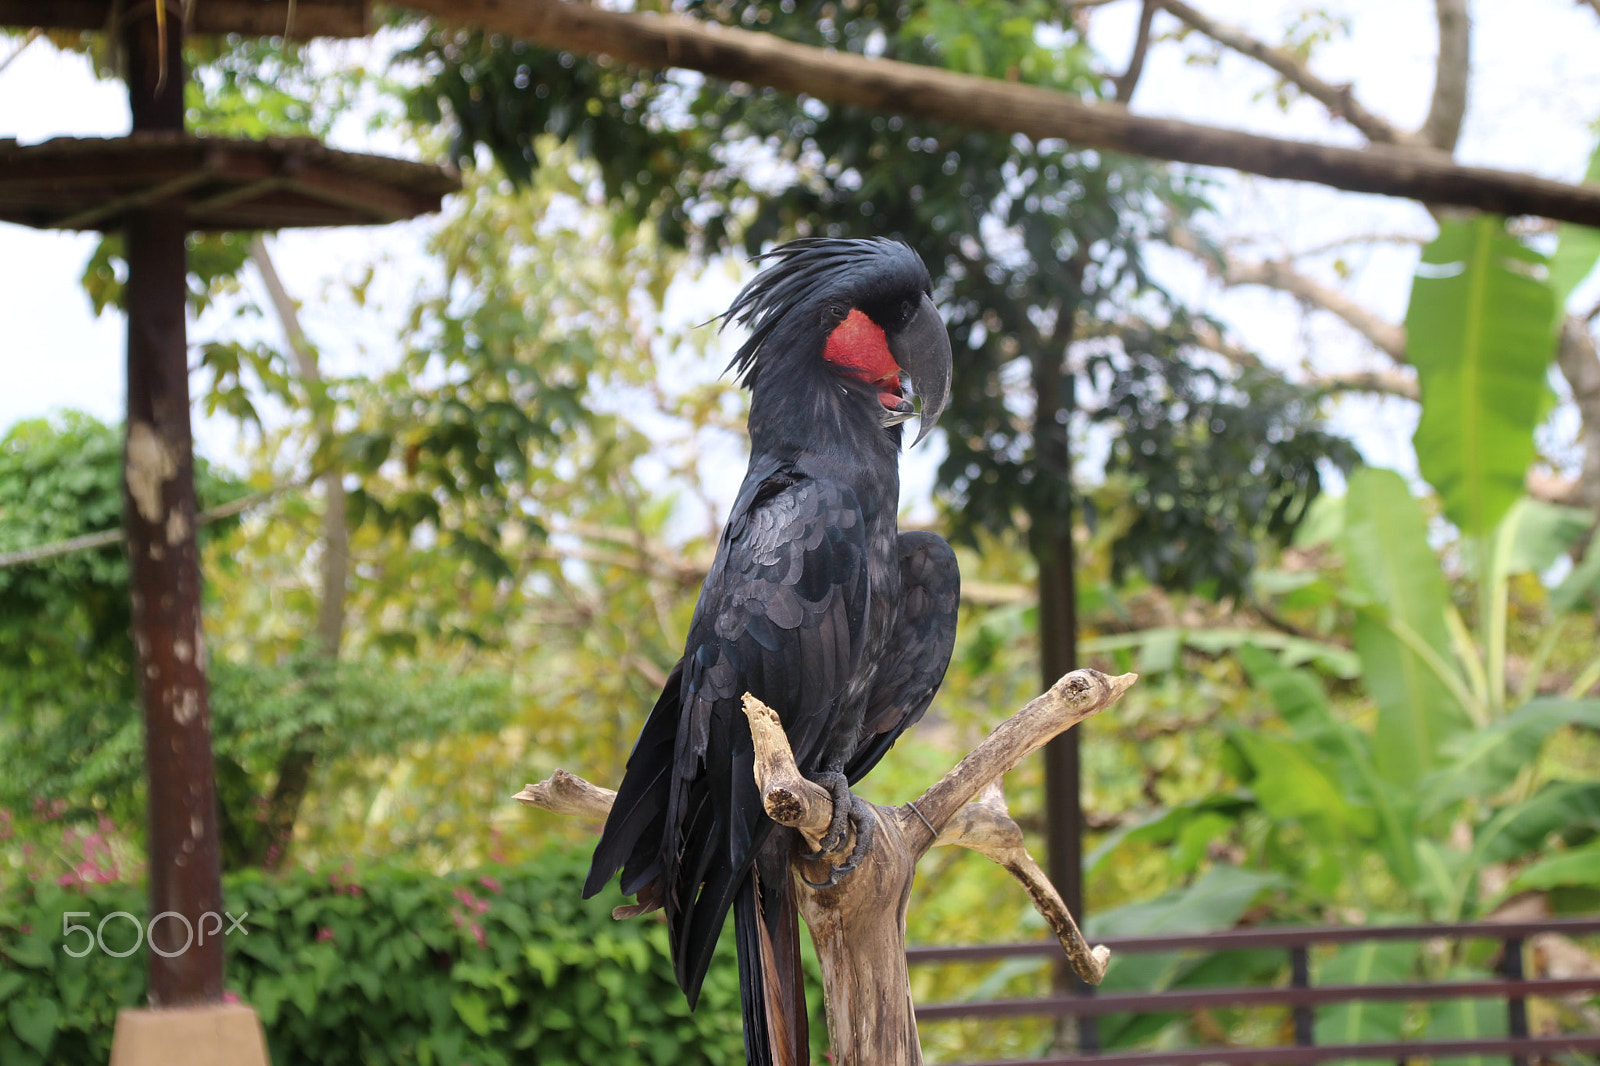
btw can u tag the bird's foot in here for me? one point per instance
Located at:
(849, 810)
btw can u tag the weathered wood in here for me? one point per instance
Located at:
(665, 40)
(299, 19)
(158, 513)
(216, 183)
(859, 925)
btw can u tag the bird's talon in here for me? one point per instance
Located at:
(848, 810)
(827, 882)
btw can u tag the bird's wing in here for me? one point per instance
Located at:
(781, 616)
(919, 650)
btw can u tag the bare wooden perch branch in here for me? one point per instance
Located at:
(1079, 695)
(666, 40)
(564, 793)
(859, 925)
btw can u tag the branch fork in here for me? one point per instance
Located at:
(860, 940)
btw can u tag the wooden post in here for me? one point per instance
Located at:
(187, 1022)
(861, 938)
(185, 952)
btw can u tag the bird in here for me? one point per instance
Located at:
(815, 604)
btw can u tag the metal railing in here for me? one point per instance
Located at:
(1299, 997)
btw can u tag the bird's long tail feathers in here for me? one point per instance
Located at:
(631, 840)
(766, 918)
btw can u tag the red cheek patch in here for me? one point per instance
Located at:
(858, 346)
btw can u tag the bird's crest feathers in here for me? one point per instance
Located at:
(803, 272)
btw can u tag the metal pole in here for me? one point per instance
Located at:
(1054, 388)
(185, 942)
(1305, 1016)
(1516, 1006)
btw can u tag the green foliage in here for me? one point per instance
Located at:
(214, 261)
(68, 701)
(384, 965)
(66, 678)
(1479, 334)
(1218, 465)
(1401, 632)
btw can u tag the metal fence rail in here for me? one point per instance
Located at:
(1300, 997)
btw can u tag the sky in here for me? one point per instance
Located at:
(1536, 94)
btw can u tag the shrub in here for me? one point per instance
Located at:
(383, 965)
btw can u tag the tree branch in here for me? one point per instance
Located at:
(1388, 382)
(1452, 68)
(1384, 335)
(1579, 362)
(1078, 695)
(788, 797)
(1388, 337)
(1365, 239)
(1338, 99)
(985, 825)
(665, 40)
(334, 565)
(566, 793)
(109, 537)
(1141, 46)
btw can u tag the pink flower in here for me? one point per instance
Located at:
(490, 883)
(324, 935)
(230, 996)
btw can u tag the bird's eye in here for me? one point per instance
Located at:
(906, 310)
(837, 312)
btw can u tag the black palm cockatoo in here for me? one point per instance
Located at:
(815, 604)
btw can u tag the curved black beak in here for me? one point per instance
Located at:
(922, 349)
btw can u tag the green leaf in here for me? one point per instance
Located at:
(1479, 329)
(1373, 962)
(1168, 825)
(1467, 1019)
(1577, 250)
(1157, 647)
(1216, 901)
(1289, 784)
(1576, 866)
(1395, 580)
(1484, 761)
(1536, 533)
(1580, 584)
(32, 952)
(34, 1020)
(1559, 807)
(1296, 694)
(473, 1010)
